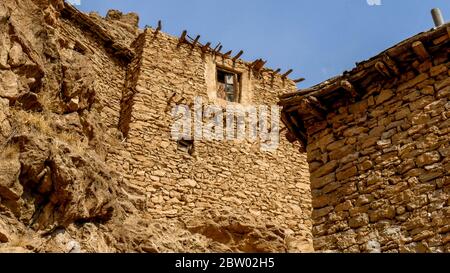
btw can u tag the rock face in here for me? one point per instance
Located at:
(87, 163)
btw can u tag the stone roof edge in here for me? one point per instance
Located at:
(307, 103)
(362, 68)
(126, 53)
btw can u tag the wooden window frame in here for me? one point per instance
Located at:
(237, 82)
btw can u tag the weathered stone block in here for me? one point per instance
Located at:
(324, 201)
(347, 205)
(384, 96)
(428, 158)
(366, 165)
(336, 145)
(322, 212)
(422, 77)
(351, 172)
(402, 113)
(342, 152)
(359, 221)
(421, 103)
(429, 176)
(441, 84)
(444, 93)
(10, 188)
(427, 90)
(325, 169)
(412, 96)
(354, 131)
(436, 70)
(9, 85)
(366, 143)
(320, 182)
(381, 214)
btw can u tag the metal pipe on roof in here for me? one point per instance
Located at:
(437, 17)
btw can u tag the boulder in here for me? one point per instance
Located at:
(4, 232)
(16, 55)
(10, 188)
(5, 126)
(9, 85)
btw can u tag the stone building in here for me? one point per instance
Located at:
(89, 162)
(378, 143)
(208, 182)
(114, 86)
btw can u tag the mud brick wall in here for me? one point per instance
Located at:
(380, 169)
(229, 180)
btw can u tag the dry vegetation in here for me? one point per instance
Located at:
(40, 123)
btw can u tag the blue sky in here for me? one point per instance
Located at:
(317, 38)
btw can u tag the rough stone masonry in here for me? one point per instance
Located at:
(220, 179)
(378, 145)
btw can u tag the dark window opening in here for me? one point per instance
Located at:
(186, 146)
(228, 85)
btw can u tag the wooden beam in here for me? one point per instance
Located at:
(291, 137)
(159, 28)
(194, 43)
(226, 55)
(440, 39)
(205, 47)
(291, 101)
(288, 122)
(316, 103)
(182, 37)
(217, 46)
(277, 71)
(317, 113)
(358, 76)
(420, 50)
(299, 80)
(348, 86)
(219, 49)
(299, 131)
(309, 107)
(255, 62)
(297, 108)
(287, 73)
(382, 69)
(288, 95)
(259, 65)
(391, 64)
(238, 55)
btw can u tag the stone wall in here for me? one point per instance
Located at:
(108, 69)
(230, 192)
(221, 181)
(380, 168)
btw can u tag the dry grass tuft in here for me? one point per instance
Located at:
(40, 123)
(8, 152)
(50, 102)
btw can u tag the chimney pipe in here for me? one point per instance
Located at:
(437, 17)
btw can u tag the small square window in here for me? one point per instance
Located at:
(228, 85)
(185, 145)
